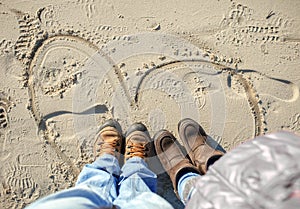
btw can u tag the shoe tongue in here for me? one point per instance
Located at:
(172, 150)
(167, 143)
(191, 132)
(194, 138)
(111, 139)
(138, 139)
(109, 133)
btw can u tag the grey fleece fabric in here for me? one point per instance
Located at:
(261, 173)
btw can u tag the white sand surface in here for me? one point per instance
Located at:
(67, 66)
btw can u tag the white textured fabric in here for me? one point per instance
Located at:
(262, 173)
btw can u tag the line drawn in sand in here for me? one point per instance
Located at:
(51, 43)
(250, 90)
(35, 51)
(287, 92)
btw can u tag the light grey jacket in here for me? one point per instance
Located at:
(261, 173)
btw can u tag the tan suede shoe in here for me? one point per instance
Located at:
(171, 157)
(138, 142)
(109, 139)
(194, 140)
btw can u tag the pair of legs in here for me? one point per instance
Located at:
(103, 184)
(182, 168)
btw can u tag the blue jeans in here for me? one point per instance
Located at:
(103, 184)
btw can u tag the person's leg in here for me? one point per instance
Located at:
(95, 188)
(202, 150)
(136, 177)
(186, 185)
(103, 175)
(138, 187)
(173, 159)
(194, 140)
(187, 181)
(182, 172)
(96, 184)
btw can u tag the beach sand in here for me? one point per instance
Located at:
(67, 66)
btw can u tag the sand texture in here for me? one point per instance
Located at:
(67, 66)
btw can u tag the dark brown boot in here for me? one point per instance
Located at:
(194, 140)
(138, 142)
(109, 139)
(171, 157)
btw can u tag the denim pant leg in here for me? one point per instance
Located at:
(95, 188)
(135, 179)
(103, 174)
(137, 187)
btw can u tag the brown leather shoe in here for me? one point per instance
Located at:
(138, 142)
(194, 140)
(109, 139)
(171, 157)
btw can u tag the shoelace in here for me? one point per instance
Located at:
(136, 150)
(108, 145)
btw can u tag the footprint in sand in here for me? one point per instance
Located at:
(279, 89)
(5, 107)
